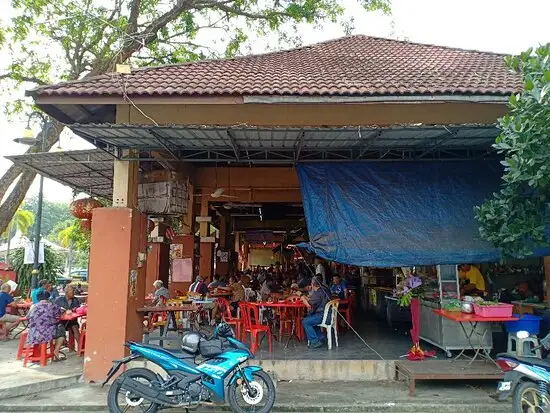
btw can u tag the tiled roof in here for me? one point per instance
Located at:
(350, 66)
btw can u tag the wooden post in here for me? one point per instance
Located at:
(125, 184)
(206, 262)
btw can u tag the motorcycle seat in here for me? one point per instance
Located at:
(534, 361)
(177, 354)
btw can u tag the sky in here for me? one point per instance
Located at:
(504, 26)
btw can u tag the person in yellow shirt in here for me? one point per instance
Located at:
(470, 279)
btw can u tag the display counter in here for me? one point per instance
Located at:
(447, 334)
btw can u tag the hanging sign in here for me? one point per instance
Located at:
(29, 253)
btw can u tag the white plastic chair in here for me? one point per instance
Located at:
(329, 323)
(249, 294)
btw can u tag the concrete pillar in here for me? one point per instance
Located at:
(116, 287)
(206, 261)
(222, 268)
(158, 264)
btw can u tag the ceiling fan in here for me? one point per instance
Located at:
(217, 193)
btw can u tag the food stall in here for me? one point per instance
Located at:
(442, 291)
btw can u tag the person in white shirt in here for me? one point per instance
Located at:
(319, 268)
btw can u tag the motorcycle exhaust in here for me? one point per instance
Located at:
(148, 393)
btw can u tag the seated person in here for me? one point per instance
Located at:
(70, 303)
(42, 284)
(161, 292)
(6, 300)
(472, 282)
(216, 283)
(238, 294)
(44, 324)
(522, 292)
(316, 307)
(339, 287)
(266, 289)
(199, 286)
(303, 281)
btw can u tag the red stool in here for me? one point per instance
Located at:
(82, 342)
(39, 353)
(22, 345)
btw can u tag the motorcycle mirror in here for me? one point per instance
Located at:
(522, 334)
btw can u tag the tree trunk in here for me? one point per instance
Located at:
(18, 193)
(10, 227)
(14, 199)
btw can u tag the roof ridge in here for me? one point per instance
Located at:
(267, 54)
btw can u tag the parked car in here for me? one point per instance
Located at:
(79, 275)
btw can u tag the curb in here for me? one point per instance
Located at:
(361, 408)
(39, 387)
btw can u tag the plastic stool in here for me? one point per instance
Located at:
(82, 342)
(22, 345)
(522, 346)
(39, 353)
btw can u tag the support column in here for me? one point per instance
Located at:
(117, 275)
(222, 268)
(206, 263)
(116, 287)
(158, 264)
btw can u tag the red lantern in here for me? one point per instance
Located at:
(86, 225)
(82, 208)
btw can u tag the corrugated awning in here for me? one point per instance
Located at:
(253, 145)
(89, 171)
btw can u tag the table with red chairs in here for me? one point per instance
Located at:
(292, 312)
(170, 312)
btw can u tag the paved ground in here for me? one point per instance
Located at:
(16, 379)
(305, 396)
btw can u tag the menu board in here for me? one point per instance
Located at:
(182, 270)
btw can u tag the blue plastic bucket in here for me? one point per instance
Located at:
(526, 322)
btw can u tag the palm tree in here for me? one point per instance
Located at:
(21, 222)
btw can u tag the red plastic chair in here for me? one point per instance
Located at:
(225, 308)
(39, 353)
(82, 342)
(22, 348)
(251, 322)
(346, 310)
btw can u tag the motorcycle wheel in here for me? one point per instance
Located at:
(527, 399)
(122, 401)
(242, 402)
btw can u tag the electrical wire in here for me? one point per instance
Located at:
(342, 316)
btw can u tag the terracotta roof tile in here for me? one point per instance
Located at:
(355, 65)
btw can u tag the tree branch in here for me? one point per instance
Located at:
(134, 14)
(228, 9)
(21, 78)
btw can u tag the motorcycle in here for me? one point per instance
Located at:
(187, 384)
(526, 379)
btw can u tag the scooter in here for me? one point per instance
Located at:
(184, 383)
(526, 379)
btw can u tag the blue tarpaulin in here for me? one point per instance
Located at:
(390, 214)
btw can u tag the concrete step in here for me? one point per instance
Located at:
(26, 389)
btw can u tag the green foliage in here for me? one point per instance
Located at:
(69, 234)
(22, 221)
(516, 218)
(52, 267)
(69, 39)
(52, 214)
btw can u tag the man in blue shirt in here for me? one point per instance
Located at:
(41, 287)
(316, 306)
(5, 300)
(339, 288)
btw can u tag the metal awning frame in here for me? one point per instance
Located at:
(287, 146)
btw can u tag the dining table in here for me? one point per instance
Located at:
(171, 319)
(295, 317)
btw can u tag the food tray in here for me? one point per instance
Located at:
(497, 310)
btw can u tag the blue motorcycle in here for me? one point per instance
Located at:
(187, 384)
